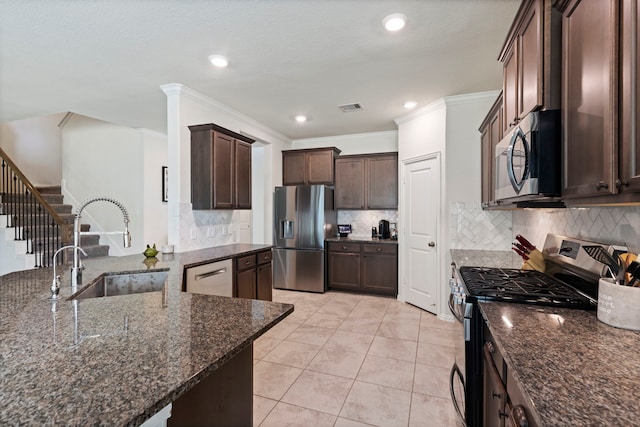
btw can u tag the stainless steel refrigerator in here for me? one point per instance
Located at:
(303, 218)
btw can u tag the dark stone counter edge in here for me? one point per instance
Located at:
(362, 240)
(191, 382)
(222, 258)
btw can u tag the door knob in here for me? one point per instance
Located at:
(432, 244)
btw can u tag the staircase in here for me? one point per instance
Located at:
(30, 236)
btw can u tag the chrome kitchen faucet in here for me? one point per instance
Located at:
(76, 270)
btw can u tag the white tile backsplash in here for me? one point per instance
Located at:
(362, 221)
(474, 228)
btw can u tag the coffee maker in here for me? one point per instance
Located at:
(384, 231)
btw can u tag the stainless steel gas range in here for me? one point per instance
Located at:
(477, 379)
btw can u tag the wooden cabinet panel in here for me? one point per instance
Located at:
(510, 90)
(223, 153)
(293, 168)
(382, 182)
(367, 181)
(320, 167)
(531, 61)
(242, 178)
(589, 102)
(254, 276)
(246, 284)
(220, 168)
(350, 186)
(309, 166)
(490, 135)
(344, 270)
(380, 273)
(363, 267)
(530, 48)
(629, 157)
(265, 282)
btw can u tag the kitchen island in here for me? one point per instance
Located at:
(118, 360)
(571, 368)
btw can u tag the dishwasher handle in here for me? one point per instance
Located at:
(210, 273)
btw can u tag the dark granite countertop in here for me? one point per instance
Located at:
(573, 369)
(362, 239)
(117, 360)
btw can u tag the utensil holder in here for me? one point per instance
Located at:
(618, 305)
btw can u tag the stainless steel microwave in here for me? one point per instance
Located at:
(527, 160)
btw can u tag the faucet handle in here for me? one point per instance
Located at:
(55, 288)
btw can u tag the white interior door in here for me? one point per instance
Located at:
(422, 205)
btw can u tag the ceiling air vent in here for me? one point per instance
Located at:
(347, 108)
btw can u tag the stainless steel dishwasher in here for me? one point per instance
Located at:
(215, 278)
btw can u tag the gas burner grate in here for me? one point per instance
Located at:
(522, 286)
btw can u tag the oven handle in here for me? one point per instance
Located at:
(453, 310)
(455, 370)
(516, 416)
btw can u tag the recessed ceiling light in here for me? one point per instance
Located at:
(395, 21)
(410, 104)
(300, 118)
(218, 61)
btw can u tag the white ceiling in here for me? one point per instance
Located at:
(108, 58)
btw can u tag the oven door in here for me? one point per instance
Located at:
(513, 165)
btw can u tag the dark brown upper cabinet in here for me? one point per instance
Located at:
(220, 168)
(531, 59)
(309, 166)
(368, 181)
(600, 102)
(490, 135)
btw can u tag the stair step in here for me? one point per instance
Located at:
(8, 207)
(96, 251)
(52, 189)
(53, 199)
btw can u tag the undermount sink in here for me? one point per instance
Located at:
(112, 284)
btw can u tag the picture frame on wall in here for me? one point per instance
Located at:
(165, 184)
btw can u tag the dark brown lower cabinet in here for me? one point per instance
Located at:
(253, 278)
(363, 267)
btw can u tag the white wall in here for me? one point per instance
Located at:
(449, 126)
(155, 215)
(35, 146)
(360, 143)
(189, 229)
(103, 159)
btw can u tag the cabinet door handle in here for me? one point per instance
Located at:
(210, 273)
(621, 183)
(602, 185)
(432, 244)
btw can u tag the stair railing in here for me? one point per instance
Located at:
(30, 215)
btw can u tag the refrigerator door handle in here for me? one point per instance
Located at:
(286, 229)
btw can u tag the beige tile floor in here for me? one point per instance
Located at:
(348, 360)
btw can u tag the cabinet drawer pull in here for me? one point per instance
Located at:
(247, 262)
(344, 247)
(210, 273)
(602, 185)
(378, 249)
(266, 257)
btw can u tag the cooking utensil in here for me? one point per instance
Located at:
(634, 272)
(600, 254)
(625, 260)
